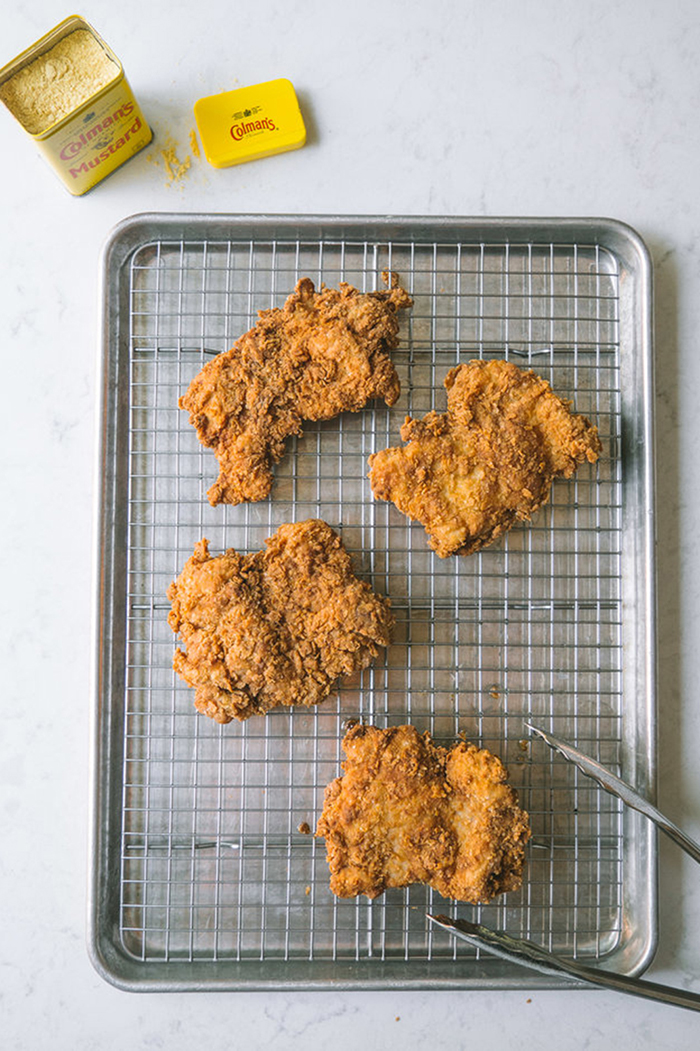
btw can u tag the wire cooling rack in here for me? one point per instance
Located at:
(218, 883)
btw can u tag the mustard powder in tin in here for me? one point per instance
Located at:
(56, 83)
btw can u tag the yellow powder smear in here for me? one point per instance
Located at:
(176, 169)
(58, 82)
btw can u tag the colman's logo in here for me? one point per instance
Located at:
(95, 159)
(240, 130)
(74, 147)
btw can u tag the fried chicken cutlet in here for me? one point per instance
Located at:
(471, 473)
(409, 811)
(277, 627)
(321, 354)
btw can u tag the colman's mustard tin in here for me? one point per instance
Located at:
(70, 94)
(248, 123)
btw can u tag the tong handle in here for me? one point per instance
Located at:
(526, 953)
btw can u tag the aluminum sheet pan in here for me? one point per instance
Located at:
(200, 878)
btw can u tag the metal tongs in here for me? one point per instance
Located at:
(528, 954)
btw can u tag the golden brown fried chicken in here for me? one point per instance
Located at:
(408, 811)
(322, 353)
(469, 474)
(274, 628)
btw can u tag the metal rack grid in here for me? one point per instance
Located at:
(212, 864)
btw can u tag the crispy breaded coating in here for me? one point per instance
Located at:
(277, 627)
(409, 811)
(321, 354)
(471, 473)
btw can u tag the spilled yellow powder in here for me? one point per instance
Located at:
(167, 157)
(176, 170)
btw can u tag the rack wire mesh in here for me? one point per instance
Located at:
(213, 866)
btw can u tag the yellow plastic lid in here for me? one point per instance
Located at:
(248, 123)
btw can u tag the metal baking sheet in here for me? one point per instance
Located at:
(200, 878)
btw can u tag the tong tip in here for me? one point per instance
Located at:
(455, 925)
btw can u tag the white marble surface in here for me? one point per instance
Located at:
(505, 108)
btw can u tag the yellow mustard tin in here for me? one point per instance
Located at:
(83, 142)
(248, 123)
